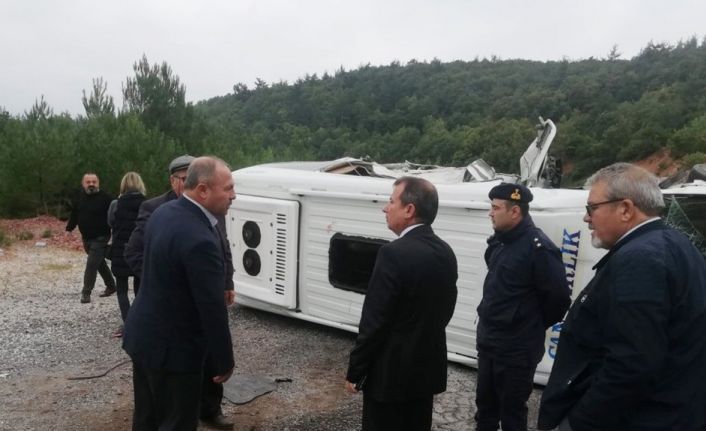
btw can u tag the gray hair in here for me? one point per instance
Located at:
(202, 170)
(628, 181)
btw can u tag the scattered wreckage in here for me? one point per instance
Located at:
(304, 235)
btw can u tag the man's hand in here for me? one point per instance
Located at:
(224, 377)
(350, 387)
(229, 296)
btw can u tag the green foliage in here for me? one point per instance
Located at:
(500, 143)
(606, 110)
(4, 239)
(690, 138)
(425, 112)
(690, 160)
(25, 235)
(98, 103)
(158, 98)
(36, 159)
(111, 146)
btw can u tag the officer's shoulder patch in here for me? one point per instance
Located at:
(539, 241)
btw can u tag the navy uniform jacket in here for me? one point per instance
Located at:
(524, 293)
(180, 312)
(134, 248)
(632, 351)
(401, 345)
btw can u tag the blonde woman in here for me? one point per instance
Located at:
(121, 217)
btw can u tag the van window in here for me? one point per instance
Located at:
(351, 261)
(688, 214)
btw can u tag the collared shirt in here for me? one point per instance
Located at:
(211, 218)
(409, 228)
(636, 227)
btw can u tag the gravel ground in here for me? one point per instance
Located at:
(47, 336)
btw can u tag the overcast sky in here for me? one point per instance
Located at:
(55, 48)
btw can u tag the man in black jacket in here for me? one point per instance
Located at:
(632, 352)
(212, 392)
(524, 293)
(399, 359)
(90, 213)
(179, 316)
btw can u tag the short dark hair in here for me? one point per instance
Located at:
(422, 194)
(524, 207)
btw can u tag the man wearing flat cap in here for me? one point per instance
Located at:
(524, 293)
(211, 392)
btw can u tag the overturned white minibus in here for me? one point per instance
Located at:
(304, 235)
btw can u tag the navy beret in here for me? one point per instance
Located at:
(511, 192)
(181, 162)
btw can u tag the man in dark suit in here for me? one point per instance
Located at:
(212, 392)
(180, 314)
(399, 359)
(632, 352)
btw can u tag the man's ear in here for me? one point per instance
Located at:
(516, 211)
(201, 189)
(627, 209)
(410, 211)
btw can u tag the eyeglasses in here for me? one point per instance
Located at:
(592, 207)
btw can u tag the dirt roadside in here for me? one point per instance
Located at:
(47, 336)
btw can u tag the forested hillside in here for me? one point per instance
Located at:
(427, 112)
(451, 113)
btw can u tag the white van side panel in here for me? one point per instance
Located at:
(277, 221)
(321, 218)
(465, 230)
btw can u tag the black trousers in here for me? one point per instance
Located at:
(95, 264)
(412, 415)
(502, 392)
(121, 284)
(211, 392)
(165, 401)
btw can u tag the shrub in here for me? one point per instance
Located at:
(693, 159)
(47, 233)
(25, 235)
(4, 239)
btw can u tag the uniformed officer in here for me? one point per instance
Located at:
(524, 293)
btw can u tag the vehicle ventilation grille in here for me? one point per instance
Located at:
(280, 253)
